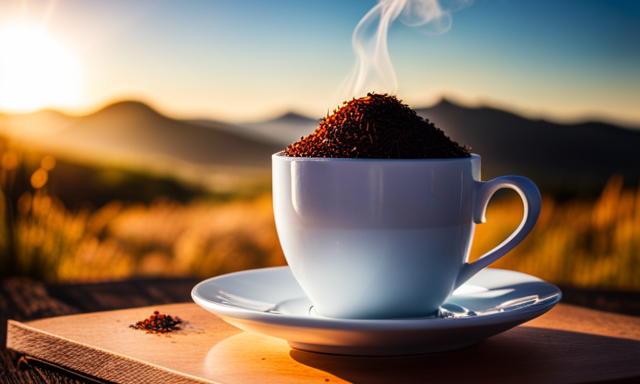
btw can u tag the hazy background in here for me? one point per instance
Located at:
(136, 136)
(250, 60)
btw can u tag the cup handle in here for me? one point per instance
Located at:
(532, 206)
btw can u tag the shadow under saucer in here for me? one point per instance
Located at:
(523, 355)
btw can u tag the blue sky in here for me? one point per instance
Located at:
(248, 59)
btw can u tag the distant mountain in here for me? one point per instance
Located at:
(560, 158)
(292, 118)
(576, 157)
(284, 129)
(133, 126)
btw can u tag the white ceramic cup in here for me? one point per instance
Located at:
(377, 238)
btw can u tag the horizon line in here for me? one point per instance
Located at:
(478, 104)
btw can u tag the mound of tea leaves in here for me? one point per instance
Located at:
(377, 126)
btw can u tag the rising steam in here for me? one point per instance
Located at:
(373, 70)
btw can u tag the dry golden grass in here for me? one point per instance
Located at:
(579, 243)
(165, 238)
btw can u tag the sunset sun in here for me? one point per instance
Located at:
(36, 71)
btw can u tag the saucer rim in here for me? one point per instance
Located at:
(239, 313)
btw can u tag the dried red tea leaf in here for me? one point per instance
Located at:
(159, 324)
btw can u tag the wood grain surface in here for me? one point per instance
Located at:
(569, 344)
(26, 299)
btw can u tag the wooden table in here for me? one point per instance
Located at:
(23, 299)
(569, 344)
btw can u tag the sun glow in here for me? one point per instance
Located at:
(36, 71)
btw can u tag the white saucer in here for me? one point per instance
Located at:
(271, 302)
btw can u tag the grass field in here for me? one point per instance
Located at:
(582, 242)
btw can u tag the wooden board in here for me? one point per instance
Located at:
(569, 344)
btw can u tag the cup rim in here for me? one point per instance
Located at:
(279, 156)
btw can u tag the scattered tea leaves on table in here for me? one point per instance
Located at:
(159, 324)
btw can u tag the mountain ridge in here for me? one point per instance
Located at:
(569, 156)
(572, 157)
(134, 126)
